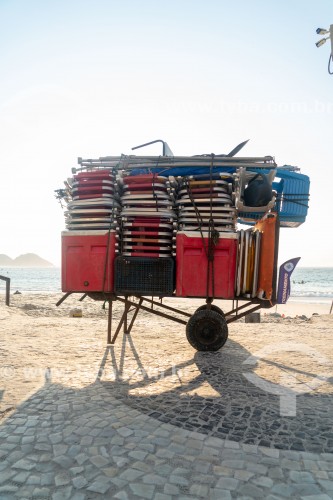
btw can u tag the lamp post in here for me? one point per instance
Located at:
(329, 32)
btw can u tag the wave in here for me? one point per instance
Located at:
(314, 294)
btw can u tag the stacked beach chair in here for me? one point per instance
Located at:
(89, 243)
(145, 264)
(202, 198)
(147, 217)
(166, 225)
(206, 238)
(94, 201)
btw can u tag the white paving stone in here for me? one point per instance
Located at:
(92, 445)
(79, 482)
(142, 490)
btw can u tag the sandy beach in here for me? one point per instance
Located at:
(152, 418)
(37, 336)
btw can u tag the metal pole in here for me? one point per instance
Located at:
(134, 316)
(109, 322)
(7, 280)
(7, 291)
(64, 297)
(125, 312)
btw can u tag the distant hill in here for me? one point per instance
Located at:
(6, 261)
(25, 260)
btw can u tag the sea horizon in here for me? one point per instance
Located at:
(308, 284)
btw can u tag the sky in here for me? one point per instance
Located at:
(90, 78)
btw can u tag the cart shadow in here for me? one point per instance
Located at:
(218, 399)
(207, 392)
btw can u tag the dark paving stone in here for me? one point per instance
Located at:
(243, 412)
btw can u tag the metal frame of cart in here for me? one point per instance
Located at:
(126, 322)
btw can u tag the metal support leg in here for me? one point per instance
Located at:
(109, 322)
(125, 312)
(134, 316)
(121, 322)
(64, 297)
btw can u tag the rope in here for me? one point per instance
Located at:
(197, 213)
(285, 198)
(108, 243)
(213, 237)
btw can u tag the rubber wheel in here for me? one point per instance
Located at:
(213, 307)
(207, 330)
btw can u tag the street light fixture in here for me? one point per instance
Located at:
(322, 31)
(321, 42)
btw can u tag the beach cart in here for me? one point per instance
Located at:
(140, 229)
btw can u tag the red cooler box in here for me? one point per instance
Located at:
(192, 263)
(84, 255)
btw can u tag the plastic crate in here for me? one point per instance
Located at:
(144, 276)
(87, 261)
(192, 264)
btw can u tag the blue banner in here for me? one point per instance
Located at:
(286, 270)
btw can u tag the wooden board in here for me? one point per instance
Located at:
(250, 263)
(246, 250)
(256, 263)
(240, 262)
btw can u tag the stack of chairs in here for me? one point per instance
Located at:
(202, 197)
(95, 203)
(147, 217)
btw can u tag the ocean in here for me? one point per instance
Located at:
(310, 284)
(31, 279)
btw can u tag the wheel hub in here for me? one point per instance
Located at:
(207, 331)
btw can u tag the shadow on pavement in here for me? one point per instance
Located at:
(238, 410)
(207, 393)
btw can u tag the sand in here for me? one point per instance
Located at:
(40, 342)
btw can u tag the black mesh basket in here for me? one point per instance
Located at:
(144, 276)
